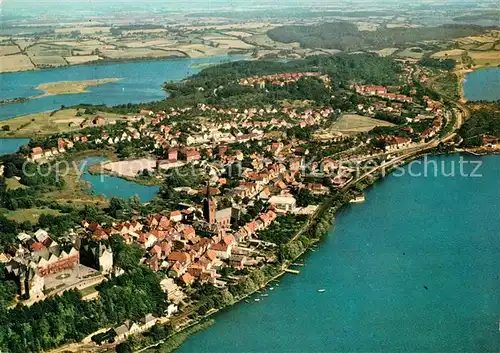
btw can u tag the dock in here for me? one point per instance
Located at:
(289, 270)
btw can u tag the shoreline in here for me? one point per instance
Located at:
(462, 76)
(375, 179)
(101, 62)
(80, 87)
(323, 209)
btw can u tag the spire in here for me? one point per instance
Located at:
(208, 194)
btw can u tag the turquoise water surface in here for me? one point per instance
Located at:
(141, 82)
(8, 146)
(111, 186)
(483, 84)
(442, 233)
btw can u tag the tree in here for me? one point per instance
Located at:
(124, 347)
(5, 128)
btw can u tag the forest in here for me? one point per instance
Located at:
(346, 36)
(484, 121)
(63, 319)
(218, 85)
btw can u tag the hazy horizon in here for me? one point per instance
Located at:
(199, 5)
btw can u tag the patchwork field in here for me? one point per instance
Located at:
(150, 43)
(31, 215)
(24, 43)
(48, 61)
(144, 31)
(47, 124)
(232, 44)
(83, 30)
(387, 51)
(81, 59)
(9, 50)
(17, 62)
(352, 123)
(238, 34)
(486, 58)
(264, 41)
(454, 53)
(49, 50)
(486, 46)
(140, 53)
(414, 53)
(199, 50)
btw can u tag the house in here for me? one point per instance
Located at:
(148, 322)
(146, 112)
(179, 256)
(190, 155)
(187, 279)
(60, 146)
(99, 121)
(224, 247)
(176, 216)
(317, 189)
(125, 330)
(283, 203)
(36, 153)
(147, 240)
(237, 261)
(172, 154)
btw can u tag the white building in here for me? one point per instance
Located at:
(283, 203)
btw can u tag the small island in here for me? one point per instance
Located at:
(71, 87)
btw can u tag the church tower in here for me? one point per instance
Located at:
(209, 207)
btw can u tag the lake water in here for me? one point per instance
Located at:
(412, 232)
(8, 146)
(483, 84)
(111, 186)
(141, 82)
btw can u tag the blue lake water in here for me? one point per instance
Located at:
(483, 84)
(141, 82)
(111, 186)
(411, 232)
(8, 146)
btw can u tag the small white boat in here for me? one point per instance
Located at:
(264, 295)
(256, 300)
(321, 290)
(272, 288)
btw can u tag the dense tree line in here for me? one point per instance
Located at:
(218, 85)
(347, 37)
(282, 229)
(443, 64)
(62, 319)
(484, 121)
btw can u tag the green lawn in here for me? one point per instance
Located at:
(31, 215)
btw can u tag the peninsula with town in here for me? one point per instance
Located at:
(239, 171)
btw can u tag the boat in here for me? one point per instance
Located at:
(272, 288)
(264, 295)
(321, 290)
(246, 301)
(256, 300)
